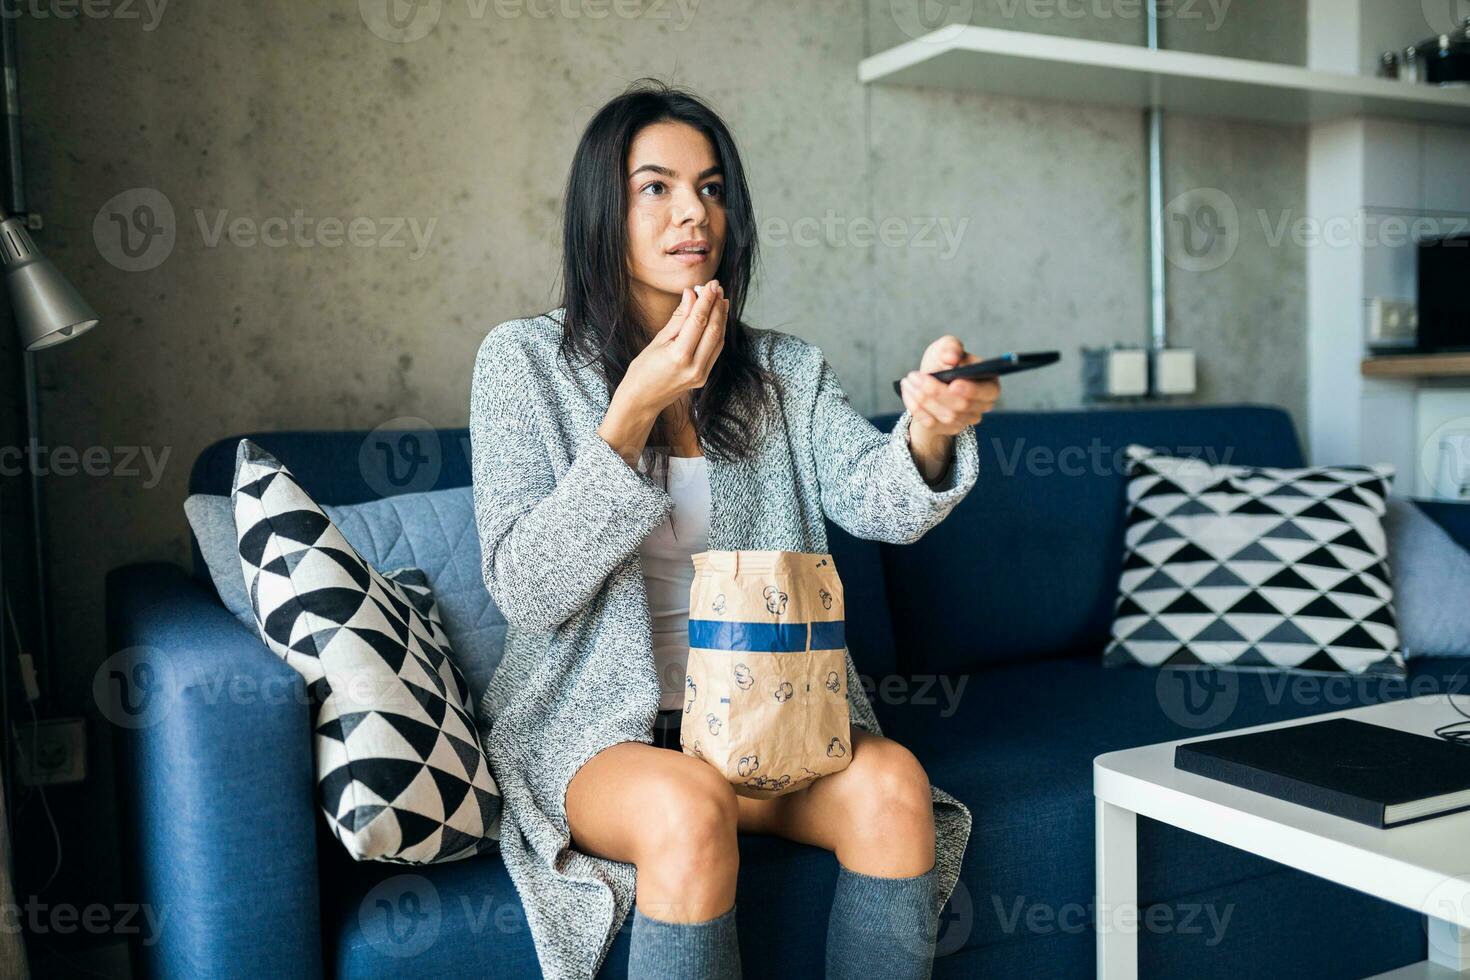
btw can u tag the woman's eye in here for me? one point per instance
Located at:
(655, 187)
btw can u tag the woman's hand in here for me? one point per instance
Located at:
(677, 359)
(942, 409)
(680, 356)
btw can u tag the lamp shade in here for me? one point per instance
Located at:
(48, 309)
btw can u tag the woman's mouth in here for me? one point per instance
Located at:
(690, 255)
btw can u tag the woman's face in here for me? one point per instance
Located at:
(676, 195)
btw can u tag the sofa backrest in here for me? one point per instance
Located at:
(340, 467)
(1027, 565)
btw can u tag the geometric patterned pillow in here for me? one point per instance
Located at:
(1255, 567)
(400, 772)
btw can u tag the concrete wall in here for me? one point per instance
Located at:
(260, 111)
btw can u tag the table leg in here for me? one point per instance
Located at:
(1449, 945)
(1117, 893)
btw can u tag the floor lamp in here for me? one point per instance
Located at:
(48, 311)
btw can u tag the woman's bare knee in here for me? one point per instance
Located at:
(889, 825)
(673, 817)
(688, 855)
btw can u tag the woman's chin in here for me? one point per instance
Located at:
(677, 287)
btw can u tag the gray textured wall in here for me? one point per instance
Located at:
(263, 109)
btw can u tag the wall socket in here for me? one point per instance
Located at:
(1136, 372)
(1173, 371)
(1114, 372)
(1389, 323)
(51, 752)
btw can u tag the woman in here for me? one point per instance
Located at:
(584, 547)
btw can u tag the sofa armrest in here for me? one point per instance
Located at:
(1452, 515)
(216, 784)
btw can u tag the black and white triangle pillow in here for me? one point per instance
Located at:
(1255, 567)
(399, 767)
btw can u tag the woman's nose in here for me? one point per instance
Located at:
(689, 208)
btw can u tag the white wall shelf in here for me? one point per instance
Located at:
(1038, 66)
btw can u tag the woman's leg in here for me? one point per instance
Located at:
(674, 818)
(877, 816)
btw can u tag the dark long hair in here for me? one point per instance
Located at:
(601, 322)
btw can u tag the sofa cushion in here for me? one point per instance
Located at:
(1452, 515)
(465, 919)
(1016, 745)
(1031, 555)
(400, 772)
(1255, 567)
(869, 630)
(1431, 575)
(434, 531)
(339, 466)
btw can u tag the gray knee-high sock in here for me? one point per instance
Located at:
(705, 950)
(881, 927)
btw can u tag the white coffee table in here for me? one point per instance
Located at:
(1423, 866)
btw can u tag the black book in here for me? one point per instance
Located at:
(1379, 776)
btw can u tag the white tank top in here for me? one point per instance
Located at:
(668, 570)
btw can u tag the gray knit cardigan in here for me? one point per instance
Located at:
(560, 517)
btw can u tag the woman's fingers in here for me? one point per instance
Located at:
(956, 403)
(966, 394)
(915, 404)
(713, 340)
(686, 298)
(697, 319)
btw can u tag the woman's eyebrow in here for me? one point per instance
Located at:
(707, 172)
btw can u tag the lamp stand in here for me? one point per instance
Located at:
(42, 659)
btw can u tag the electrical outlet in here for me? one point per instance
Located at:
(51, 752)
(1115, 372)
(1173, 371)
(1390, 323)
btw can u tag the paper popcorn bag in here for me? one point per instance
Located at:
(765, 690)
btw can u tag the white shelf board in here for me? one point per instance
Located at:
(1038, 66)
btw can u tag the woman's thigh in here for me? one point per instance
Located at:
(621, 800)
(876, 815)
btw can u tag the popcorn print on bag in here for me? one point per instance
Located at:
(770, 669)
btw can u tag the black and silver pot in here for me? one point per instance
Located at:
(1445, 60)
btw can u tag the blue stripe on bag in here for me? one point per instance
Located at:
(829, 636)
(713, 634)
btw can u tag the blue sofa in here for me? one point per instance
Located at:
(1011, 597)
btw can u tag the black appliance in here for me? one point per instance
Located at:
(1444, 293)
